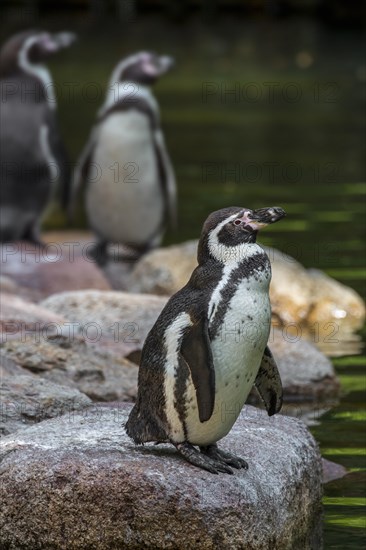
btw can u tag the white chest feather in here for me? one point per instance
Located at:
(237, 353)
(237, 349)
(124, 198)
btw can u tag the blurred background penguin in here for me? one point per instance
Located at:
(33, 156)
(131, 190)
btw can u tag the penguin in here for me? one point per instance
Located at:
(130, 183)
(209, 345)
(33, 157)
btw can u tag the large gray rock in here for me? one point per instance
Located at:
(115, 320)
(306, 298)
(26, 400)
(71, 362)
(305, 371)
(77, 482)
(21, 318)
(63, 264)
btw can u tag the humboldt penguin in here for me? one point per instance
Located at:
(209, 345)
(33, 158)
(130, 184)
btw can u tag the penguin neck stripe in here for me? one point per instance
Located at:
(216, 295)
(128, 92)
(38, 71)
(117, 73)
(230, 254)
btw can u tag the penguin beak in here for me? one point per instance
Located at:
(64, 39)
(166, 63)
(256, 219)
(51, 43)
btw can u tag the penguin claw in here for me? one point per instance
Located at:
(224, 457)
(202, 460)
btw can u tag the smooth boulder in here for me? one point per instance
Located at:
(301, 297)
(78, 482)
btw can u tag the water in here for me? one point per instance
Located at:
(290, 133)
(342, 438)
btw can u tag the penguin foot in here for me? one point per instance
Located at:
(99, 253)
(217, 454)
(201, 460)
(33, 235)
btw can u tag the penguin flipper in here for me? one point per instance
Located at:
(196, 351)
(61, 156)
(268, 383)
(167, 177)
(80, 174)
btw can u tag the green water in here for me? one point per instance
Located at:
(342, 438)
(254, 150)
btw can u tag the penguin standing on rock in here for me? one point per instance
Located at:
(130, 180)
(209, 345)
(33, 157)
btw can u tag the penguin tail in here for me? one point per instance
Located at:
(141, 430)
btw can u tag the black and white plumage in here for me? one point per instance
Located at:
(131, 190)
(209, 345)
(33, 157)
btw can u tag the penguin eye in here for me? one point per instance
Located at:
(237, 222)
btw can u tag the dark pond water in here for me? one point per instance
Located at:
(292, 134)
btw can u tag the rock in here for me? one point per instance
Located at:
(300, 297)
(73, 363)
(118, 272)
(78, 483)
(8, 285)
(115, 320)
(21, 318)
(27, 399)
(306, 373)
(290, 290)
(165, 270)
(63, 264)
(332, 470)
(335, 307)
(312, 299)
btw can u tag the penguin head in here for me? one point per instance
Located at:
(143, 68)
(226, 230)
(31, 48)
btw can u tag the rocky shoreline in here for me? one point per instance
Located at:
(71, 339)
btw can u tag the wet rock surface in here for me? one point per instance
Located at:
(125, 496)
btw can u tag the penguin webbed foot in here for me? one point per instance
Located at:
(99, 253)
(202, 460)
(33, 236)
(215, 453)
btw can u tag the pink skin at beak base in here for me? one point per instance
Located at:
(252, 223)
